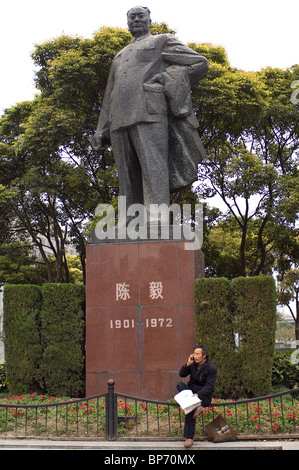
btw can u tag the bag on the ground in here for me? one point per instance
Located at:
(219, 430)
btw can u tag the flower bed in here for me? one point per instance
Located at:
(48, 416)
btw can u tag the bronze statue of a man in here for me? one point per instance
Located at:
(147, 114)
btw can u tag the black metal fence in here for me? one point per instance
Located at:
(112, 415)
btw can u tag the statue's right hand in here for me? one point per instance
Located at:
(97, 142)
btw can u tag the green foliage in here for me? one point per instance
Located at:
(285, 373)
(288, 294)
(160, 28)
(250, 129)
(214, 54)
(221, 247)
(214, 323)
(44, 338)
(3, 381)
(52, 180)
(23, 351)
(62, 337)
(16, 264)
(254, 300)
(236, 320)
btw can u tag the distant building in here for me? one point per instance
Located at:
(69, 248)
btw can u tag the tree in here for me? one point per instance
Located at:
(288, 292)
(36, 188)
(51, 181)
(48, 163)
(241, 180)
(251, 161)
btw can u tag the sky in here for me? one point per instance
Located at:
(255, 34)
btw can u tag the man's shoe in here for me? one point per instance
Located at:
(188, 443)
(197, 411)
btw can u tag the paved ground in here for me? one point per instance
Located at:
(119, 446)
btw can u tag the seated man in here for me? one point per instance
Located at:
(202, 382)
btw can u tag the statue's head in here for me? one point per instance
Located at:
(139, 21)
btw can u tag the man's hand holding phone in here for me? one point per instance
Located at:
(190, 360)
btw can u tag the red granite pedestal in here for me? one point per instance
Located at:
(139, 316)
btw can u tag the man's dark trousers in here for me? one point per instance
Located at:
(190, 422)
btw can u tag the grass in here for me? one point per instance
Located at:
(48, 416)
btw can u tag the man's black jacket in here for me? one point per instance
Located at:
(202, 380)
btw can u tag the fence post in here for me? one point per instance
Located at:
(111, 412)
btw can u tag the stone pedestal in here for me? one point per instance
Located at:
(139, 316)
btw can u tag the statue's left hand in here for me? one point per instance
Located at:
(158, 78)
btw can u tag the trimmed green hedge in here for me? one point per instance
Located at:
(254, 300)
(44, 338)
(214, 327)
(45, 331)
(236, 321)
(62, 337)
(21, 324)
